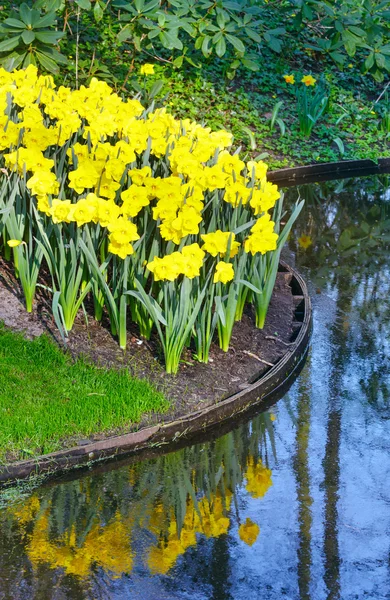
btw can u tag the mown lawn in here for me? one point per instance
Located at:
(45, 397)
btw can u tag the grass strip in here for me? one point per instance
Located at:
(45, 397)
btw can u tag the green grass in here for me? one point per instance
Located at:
(46, 398)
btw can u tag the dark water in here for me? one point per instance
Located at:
(294, 504)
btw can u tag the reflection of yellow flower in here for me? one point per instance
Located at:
(209, 521)
(258, 478)
(107, 546)
(147, 69)
(289, 79)
(305, 241)
(27, 510)
(248, 532)
(308, 80)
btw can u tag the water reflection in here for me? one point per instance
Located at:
(294, 504)
(147, 514)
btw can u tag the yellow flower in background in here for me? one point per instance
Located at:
(305, 241)
(258, 168)
(249, 532)
(147, 69)
(14, 243)
(289, 79)
(308, 80)
(224, 272)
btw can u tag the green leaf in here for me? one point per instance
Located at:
(205, 46)
(10, 44)
(49, 37)
(26, 14)
(369, 62)
(28, 36)
(156, 89)
(251, 137)
(253, 35)
(340, 145)
(15, 23)
(220, 47)
(178, 61)
(236, 42)
(380, 60)
(125, 33)
(338, 57)
(47, 63)
(274, 43)
(250, 64)
(170, 40)
(97, 12)
(84, 4)
(46, 20)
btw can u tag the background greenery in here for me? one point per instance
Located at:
(223, 62)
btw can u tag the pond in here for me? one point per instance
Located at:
(293, 504)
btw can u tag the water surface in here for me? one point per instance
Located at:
(294, 504)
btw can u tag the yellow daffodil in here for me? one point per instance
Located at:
(147, 69)
(224, 272)
(308, 80)
(289, 79)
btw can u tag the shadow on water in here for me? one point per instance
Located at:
(292, 504)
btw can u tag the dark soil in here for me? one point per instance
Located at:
(197, 385)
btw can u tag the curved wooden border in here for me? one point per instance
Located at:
(270, 385)
(327, 171)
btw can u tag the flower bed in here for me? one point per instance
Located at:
(151, 217)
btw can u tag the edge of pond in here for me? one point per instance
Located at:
(292, 176)
(192, 424)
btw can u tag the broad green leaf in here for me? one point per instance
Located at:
(26, 14)
(236, 42)
(97, 12)
(10, 44)
(46, 20)
(205, 46)
(220, 47)
(28, 36)
(84, 4)
(47, 63)
(16, 23)
(250, 64)
(178, 61)
(49, 37)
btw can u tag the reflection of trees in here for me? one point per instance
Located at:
(348, 223)
(343, 240)
(339, 359)
(301, 468)
(78, 527)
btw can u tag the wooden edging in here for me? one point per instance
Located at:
(261, 391)
(326, 171)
